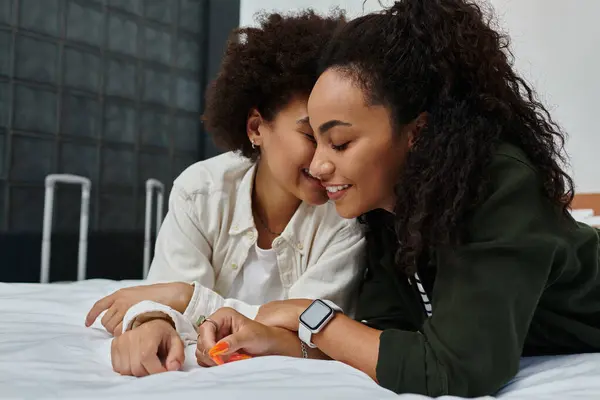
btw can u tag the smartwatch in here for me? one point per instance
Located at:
(315, 318)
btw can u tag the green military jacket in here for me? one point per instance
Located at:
(526, 282)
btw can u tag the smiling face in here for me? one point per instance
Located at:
(359, 156)
(287, 147)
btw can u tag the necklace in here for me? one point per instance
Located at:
(264, 224)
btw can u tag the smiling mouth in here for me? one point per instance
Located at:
(335, 189)
(336, 192)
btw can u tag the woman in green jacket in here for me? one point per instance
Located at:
(426, 133)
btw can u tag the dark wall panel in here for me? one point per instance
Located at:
(108, 89)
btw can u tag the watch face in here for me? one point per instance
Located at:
(315, 314)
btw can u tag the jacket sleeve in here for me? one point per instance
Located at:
(184, 327)
(484, 297)
(336, 272)
(183, 253)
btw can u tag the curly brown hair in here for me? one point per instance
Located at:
(263, 68)
(444, 57)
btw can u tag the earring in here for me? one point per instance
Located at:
(253, 144)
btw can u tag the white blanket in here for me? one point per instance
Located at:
(46, 352)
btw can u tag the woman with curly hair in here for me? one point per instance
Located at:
(243, 227)
(427, 134)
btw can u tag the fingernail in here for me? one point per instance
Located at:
(239, 357)
(218, 349)
(174, 366)
(218, 360)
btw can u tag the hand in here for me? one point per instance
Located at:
(282, 314)
(151, 348)
(176, 295)
(238, 337)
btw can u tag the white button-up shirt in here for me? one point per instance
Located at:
(209, 229)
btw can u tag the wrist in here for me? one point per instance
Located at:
(300, 307)
(286, 343)
(185, 291)
(152, 317)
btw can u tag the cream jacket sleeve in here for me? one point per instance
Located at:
(183, 253)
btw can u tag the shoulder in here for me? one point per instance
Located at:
(209, 190)
(515, 201)
(510, 164)
(214, 175)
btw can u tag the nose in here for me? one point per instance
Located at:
(321, 167)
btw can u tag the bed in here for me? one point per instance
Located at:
(46, 352)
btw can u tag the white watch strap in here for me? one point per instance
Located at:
(306, 335)
(333, 306)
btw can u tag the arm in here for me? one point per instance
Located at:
(237, 333)
(335, 274)
(485, 294)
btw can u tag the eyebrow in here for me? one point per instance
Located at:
(331, 124)
(303, 120)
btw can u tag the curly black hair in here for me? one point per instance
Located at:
(444, 57)
(263, 68)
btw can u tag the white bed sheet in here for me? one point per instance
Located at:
(47, 352)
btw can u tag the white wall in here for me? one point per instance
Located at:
(557, 48)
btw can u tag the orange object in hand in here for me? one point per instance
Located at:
(221, 348)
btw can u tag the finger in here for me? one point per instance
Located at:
(207, 337)
(97, 308)
(244, 338)
(153, 365)
(114, 356)
(134, 350)
(137, 368)
(176, 353)
(147, 355)
(118, 329)
(125, 360)
(108, 315)
(203, 359)
(202, 356)
(116, 319)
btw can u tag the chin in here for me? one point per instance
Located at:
(346, 212)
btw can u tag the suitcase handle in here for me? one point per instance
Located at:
(86, 187)
(151, 185)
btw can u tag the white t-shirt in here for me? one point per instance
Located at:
(258, 282)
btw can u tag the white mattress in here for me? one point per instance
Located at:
(46, 352)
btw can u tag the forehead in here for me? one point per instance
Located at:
(296, 108)
(335, 92)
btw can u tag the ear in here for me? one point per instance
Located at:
(253, 124)
(418, 125)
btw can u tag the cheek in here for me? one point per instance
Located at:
(299, 151)
(376, 172)
(292, 154)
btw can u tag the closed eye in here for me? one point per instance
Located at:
(340, 147)
(310, 137)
